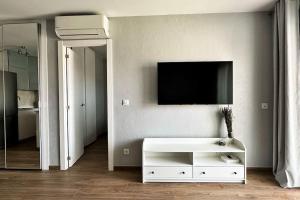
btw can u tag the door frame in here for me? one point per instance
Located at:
(43, 89)
(62, 78)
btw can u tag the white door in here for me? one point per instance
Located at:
(75, 98)
(90, 97)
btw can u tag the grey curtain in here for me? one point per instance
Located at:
(286, 130)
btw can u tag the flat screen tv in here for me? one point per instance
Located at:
(194, 82)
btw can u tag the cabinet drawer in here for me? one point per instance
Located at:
(219, 172)
(168, 172)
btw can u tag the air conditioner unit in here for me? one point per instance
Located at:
(82, 27)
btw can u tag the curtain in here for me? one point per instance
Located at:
(286, 121)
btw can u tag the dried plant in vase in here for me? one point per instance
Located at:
(227, 112)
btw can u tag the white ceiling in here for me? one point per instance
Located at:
(19, 9)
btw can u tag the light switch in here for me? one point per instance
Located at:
(125, 102)
(264, 106)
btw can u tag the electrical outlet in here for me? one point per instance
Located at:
(126, 151)
(264, 106)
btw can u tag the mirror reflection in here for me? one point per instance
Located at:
(2, 134)
(21, 95)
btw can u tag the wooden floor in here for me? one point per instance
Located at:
(89, 179)
(23, 155)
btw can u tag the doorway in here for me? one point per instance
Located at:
(77, 97)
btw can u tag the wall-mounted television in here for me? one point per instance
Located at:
(195, 82)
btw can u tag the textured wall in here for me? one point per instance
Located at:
(140, 42)
(53, 94)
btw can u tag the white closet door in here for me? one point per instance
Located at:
(90, 97)
(75, 81)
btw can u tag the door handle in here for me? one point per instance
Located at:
(82, 105)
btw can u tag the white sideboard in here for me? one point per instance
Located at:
(192, 160)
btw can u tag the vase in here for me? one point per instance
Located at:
(223, 128)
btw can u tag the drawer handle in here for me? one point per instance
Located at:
(152, 172)
(182, 172)
(202, 172)
(235, 173)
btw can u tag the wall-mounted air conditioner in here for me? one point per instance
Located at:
(82, 27)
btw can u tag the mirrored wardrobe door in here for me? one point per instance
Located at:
(21, 96)
(2, 132)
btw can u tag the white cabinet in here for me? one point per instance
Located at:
(215, 173)
(168, 172)
(33, 73)
(26, 123)
(192, 160)
(22, 77)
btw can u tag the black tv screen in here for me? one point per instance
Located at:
(194, 82)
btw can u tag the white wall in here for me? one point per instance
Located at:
(140, 42)
(101, 91)
(53, 94)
